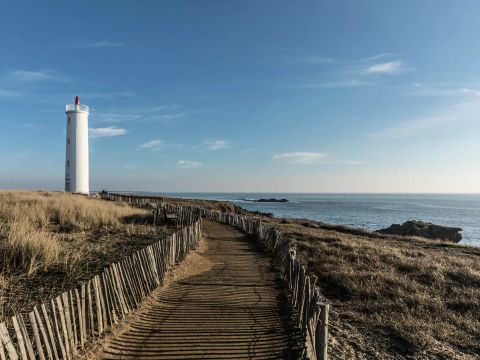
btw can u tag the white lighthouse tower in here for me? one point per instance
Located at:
(76, 164)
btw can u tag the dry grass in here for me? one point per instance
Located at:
(50, 241)
(394, 297)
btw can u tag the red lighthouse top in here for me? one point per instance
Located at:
(77, 100)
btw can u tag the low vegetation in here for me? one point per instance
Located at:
(51, 241)
(392, 297)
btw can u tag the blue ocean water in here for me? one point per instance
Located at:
(370, 211)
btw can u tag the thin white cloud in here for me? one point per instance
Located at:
(387, 68)
(465, 111)
(300, 157)
(164, 112)
(170, 116)
(108, 96)
(375, 57)
(38, 75)
(129, 166)
(153, 145)
(311, 59)
(110, 117)
(443, 90)
(352, 73)
(101, 44)
(158, 108)
(352, 83)
(144, 115)
(106, 132)
(411, 127)
(468, 91)
(217, 144)
(319, 59)
(189, 164)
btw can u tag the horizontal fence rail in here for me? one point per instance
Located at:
(311, 313)
(183, 215)
(56, 328)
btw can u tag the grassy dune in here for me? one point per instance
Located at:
(50, 241)
(394, 297)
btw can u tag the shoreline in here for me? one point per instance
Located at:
(287, 211)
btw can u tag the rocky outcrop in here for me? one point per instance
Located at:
(424, 229)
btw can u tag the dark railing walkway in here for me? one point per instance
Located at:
(228, 306)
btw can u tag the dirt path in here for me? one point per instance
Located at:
(227, 304)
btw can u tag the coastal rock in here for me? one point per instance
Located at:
(260, 213)
(424, 229)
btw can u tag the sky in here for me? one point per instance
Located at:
(245, 96)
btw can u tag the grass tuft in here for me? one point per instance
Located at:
(30, 223)
(51, 241)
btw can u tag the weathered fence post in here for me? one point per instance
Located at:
(321, 335)
(312, 315)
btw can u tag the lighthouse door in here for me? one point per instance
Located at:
(67, 185)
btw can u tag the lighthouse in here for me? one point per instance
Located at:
(76, 162)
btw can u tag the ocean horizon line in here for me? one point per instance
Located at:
(291, 192)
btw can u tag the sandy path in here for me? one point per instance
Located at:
(227, 304)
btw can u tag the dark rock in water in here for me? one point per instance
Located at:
(267, 200)
(260, 213)
(424, 229)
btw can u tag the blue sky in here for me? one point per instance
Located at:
(293, 96)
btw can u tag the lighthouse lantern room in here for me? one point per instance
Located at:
(76, 163)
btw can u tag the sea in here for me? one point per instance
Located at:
(368, 211)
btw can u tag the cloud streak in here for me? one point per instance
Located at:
(319, 59)
(300, 157)
(189, 164)
(311, 59)
(352, 73)
(217, 145)
(96, 133)
(443, 90)
(352, 83)
(465, 111)
(153, 145)
(387, 68)
(164, 117)
(38, 75)
(101, 44)
(117, 117)
(146, 115)
(108, 95)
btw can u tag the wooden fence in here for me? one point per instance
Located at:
(55, 329)
(310, 311)
(183, 215)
